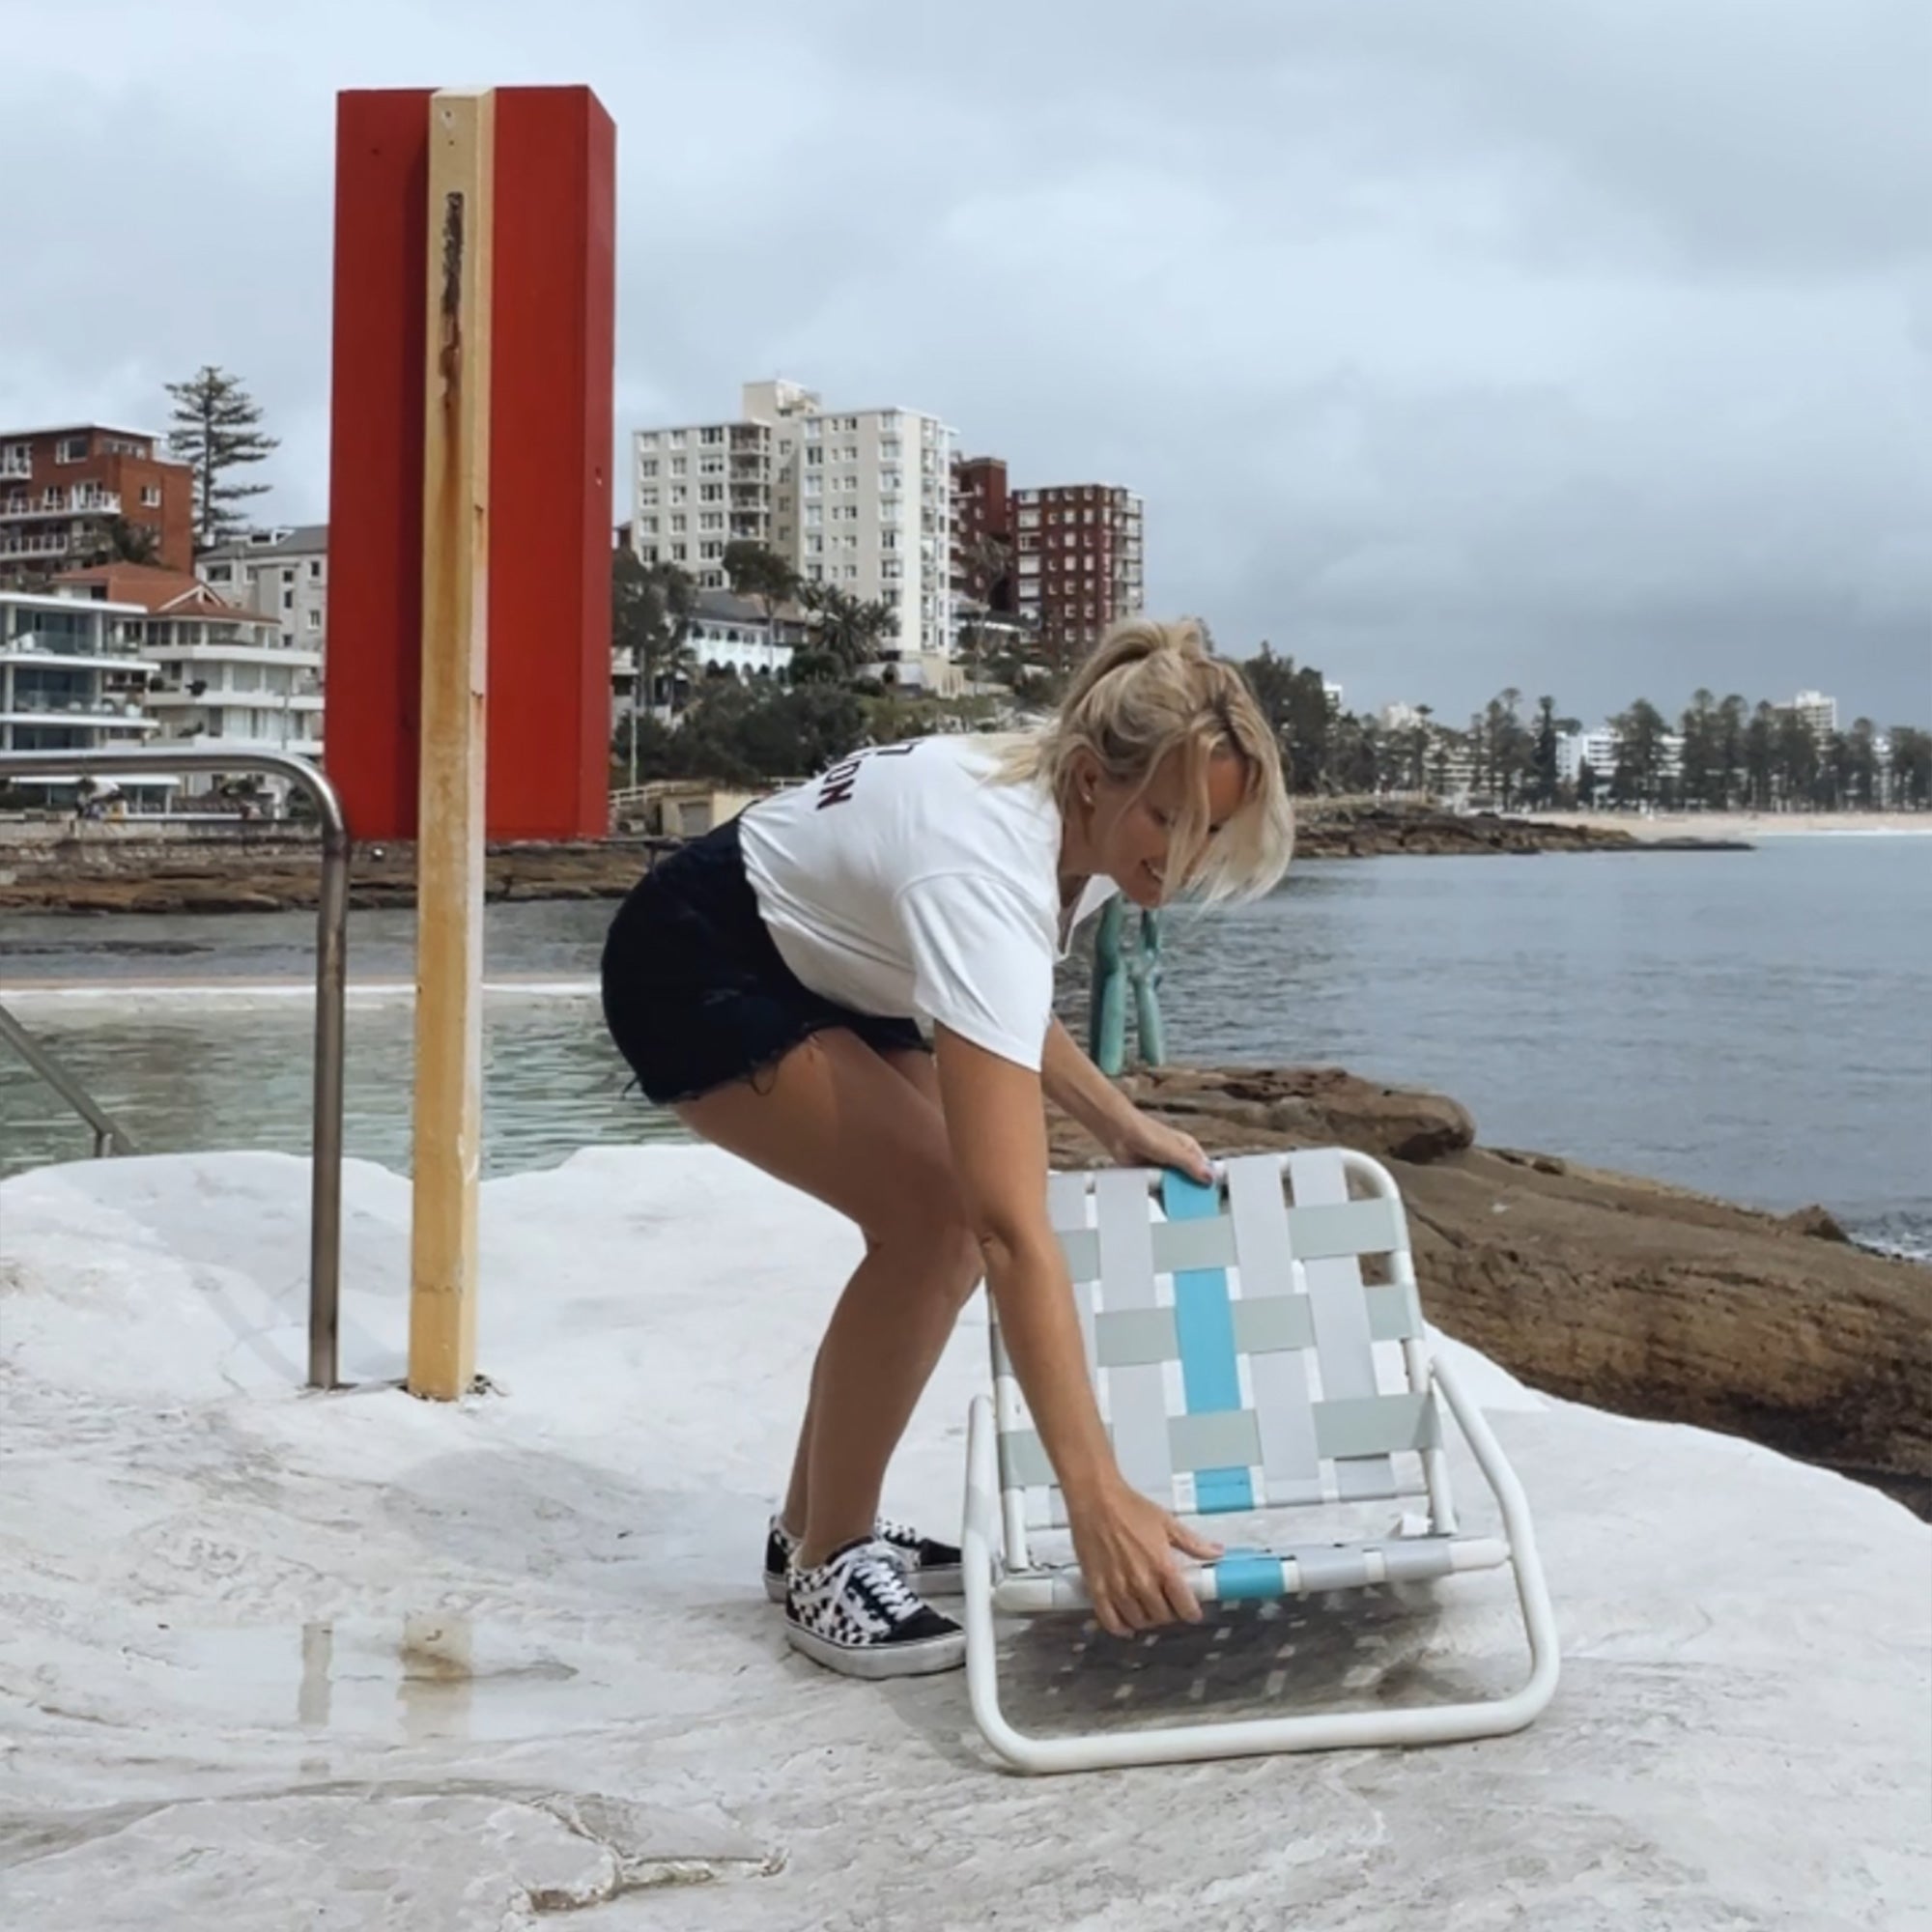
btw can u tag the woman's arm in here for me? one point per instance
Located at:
(997, 1129)
(1131, 1138)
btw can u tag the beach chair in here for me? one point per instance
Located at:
(1242, 1364)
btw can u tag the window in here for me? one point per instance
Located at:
(815, 544)
(813, 485)
(679, 494)
(813, 456)
(711, 552)
(713, 435)
(848, 541)
(849, 454)
(648, 468)
(70, 449)
(220, 573)
(315, 620)
(851, 573)
(711, 493)
(674, 438)
(677, 524)
(288, 600)
(647, 500)
(711, 520)
(889, 448)
(315, 570)
(889, 540)
(680, 466)
(1029, 520)
(680, 552)
(814, 515)
(711, 465)
(889, 479)
(151, 497)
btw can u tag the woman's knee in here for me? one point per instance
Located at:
(933, 1241)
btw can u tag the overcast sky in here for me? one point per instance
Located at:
(1583, 346)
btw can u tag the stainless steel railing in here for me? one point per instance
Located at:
(331, 982)
(109, 1136)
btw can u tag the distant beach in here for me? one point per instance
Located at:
(1750, 826)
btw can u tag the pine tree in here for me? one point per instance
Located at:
(216, 430)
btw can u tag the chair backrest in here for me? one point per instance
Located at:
(1239, 1359)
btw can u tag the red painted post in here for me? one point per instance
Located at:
(554, 345)
(553, 349)
(373, 697)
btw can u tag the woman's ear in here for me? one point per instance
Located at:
(1083, 771)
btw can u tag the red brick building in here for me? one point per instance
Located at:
(1078, 563)
(983, 579)
(62, 489)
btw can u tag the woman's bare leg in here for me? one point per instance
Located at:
(864, 1135)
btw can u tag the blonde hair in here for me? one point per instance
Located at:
(1153, 691)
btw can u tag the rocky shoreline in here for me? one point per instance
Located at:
(1606, 1289)
(273, 868)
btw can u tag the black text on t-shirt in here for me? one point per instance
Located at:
(835, 787)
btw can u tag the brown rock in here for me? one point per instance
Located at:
(1820, 1223)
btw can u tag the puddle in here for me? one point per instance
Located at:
(429, 1675)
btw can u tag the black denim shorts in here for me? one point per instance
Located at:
(695, 994)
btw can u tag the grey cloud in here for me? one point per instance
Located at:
(1582, 348)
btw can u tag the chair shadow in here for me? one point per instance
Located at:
(1374, 1648)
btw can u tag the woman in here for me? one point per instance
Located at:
(764, 981)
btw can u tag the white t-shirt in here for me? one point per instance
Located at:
(906, 880)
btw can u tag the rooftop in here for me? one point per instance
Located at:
(161, 593)
(80, 429)
(277, 539)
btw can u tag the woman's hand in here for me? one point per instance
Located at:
(1124, 1545)
(1142, 1141)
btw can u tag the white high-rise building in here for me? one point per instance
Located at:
(1819, 712)
(856, 498)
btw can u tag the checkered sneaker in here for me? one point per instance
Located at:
(933, 1566)
(856, 1614)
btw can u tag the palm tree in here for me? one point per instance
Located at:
(845, 633)
(650, 621)
(989, 562)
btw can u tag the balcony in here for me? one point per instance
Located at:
(65, 503)
(44, 544)
(36, 708)
(67, 646)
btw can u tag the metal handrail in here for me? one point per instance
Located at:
(331, 982)
(109, 1136)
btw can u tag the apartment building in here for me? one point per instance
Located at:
(1818, 711)
(222, 677)
(279, 572)
(61, 491)
(71, 679)
(1078, 559)
(859, 499)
